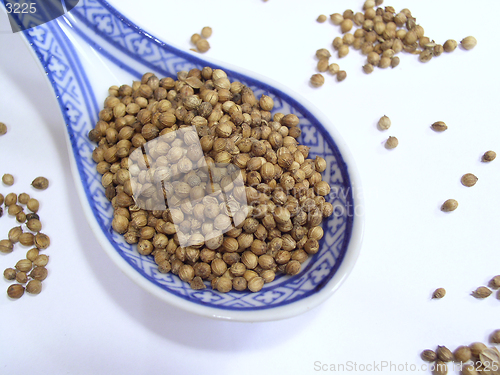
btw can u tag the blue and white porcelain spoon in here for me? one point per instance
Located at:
(93, 47)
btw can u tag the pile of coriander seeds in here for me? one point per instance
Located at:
(283, 187)
(380, 34)
(29, 271)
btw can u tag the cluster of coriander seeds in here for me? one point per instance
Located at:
(381, 33)
(200, 40)
(30, 270)
(473, 359)
(280, 224)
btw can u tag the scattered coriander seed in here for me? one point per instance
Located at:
(469, 179)
(481, 292)
(23, 198)
(439, 293)
(368, 68)
(317, 80)
(428, 355)
(1, 199)
(384, 62)
(255, 284)
(450, 45)
(444, 354)
(3, 128)
(341, 75)
(6, 246)
(195, 38)
(468, 43)
(384, 123)
(439, 368)
(10, 199)
(476, 348)
(21, 277)
(34, 287)
(24, 265)
(489, 156)
(32, 254)
(32, 216)
(495, 282)
(40, 183)
(462, 354)
(343, 50)
(449, 205)
(14, 209)
(439, 126)
(495, 337)
(321, 18)
(26, 239)
(333, 68)
(392, 142)
(323, 53)
(224, 284)
(202, 45)
(395, 62)
(40, 273)
(9, 273)
(34, 225)
(42, 241)
(197, 283)
(322, 65)
(8, 179)
(15, 291)
(336, 18)
(33, 205)
(15, 233)
(425, 56)
(21, 217)
(206, 32)
(42, 260)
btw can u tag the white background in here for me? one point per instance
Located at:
(91, 319)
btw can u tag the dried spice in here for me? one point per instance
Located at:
(428, 355)
(468, 179)
(384, 123)
(482, 292)
(392, 142)
(449, 205)
(189, 228)
(321, 18)
(462, 354)
(469, 42)
(317, 80)
(439, 126)
(3, 128)
(15, 291)
(8, 179)
(40, 183)
(444, 354)
(439, 293)
(489, 156)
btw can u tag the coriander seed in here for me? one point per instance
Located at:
(322, 65)
(495, 337)
(40, 183)
(33, 205)
(206, 32)
(3, 128)
(34, 225)
(336, 18)
(14, 234)
(495, 282)
(395, 62)
(476, 348)
(42, 241)
(444, 354)
(468, 43)
(343, 51)
(341, 75)
(323, 53)
(6, 246)
(462, 354)
(34, 287)
(481, 292)
(202, 45)
(195, 38)
(468, 179)
(23, 198)
(10, 199)
(26, 239)
(489, 156)
(439, 293)
(449, 205)
(450, 45)
(8, 179)
(368, 68)
(428, 355)
(24, 265)
(317, 80)
(42, 260)
(21, 277)
(32, 254)
(321, 18)
(9, 273)
(346, 25)
(439, 126)
(384, 123)
(392, 142)
(15, 291)
(256, 284)
(40, 273)
(224, 284)
(469, 370)
(333, 68)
